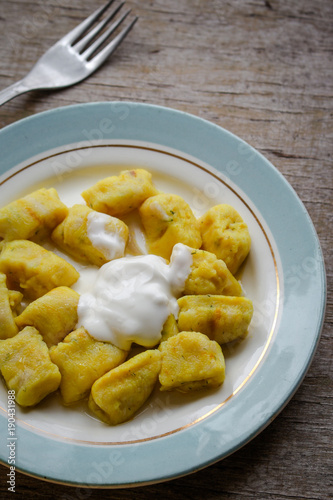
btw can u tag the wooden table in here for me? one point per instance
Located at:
(262, 69)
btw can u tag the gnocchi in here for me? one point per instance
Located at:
(210, 275)
(72, 236)
(26, 366)
(33, 216)
(54, 314)
(119, 194)
(33, 270)
(221, 318)
(190, 362)
(168, 220)
(81, 361)
(118, 394)
(225, 234)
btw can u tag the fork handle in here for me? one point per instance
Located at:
(13, 90)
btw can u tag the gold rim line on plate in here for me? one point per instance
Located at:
(270, 336)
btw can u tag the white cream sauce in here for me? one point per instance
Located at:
(131, 298)
(110, 243)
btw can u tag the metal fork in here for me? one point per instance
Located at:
(75, 56)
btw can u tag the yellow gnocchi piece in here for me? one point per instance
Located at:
(170, 328)
(191, 362)
(33, 270)
(54, 314)
(118, 395)
(225, 234)
(72, 235)
(81, 361)
(221, 318)
(167, 219)
(27, 368)
(210, 275)
(8, 302)
(33, 216)
(119, 194)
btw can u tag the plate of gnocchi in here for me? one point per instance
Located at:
(150, 298)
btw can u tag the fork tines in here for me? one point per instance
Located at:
(88, 39)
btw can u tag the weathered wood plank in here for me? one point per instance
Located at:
(262, 69)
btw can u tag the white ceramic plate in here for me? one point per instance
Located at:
(70, 149)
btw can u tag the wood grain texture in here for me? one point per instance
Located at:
(264, 71)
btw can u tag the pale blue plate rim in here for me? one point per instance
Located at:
(275, 380)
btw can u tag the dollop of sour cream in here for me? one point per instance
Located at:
(110, 243)
(132, 297)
